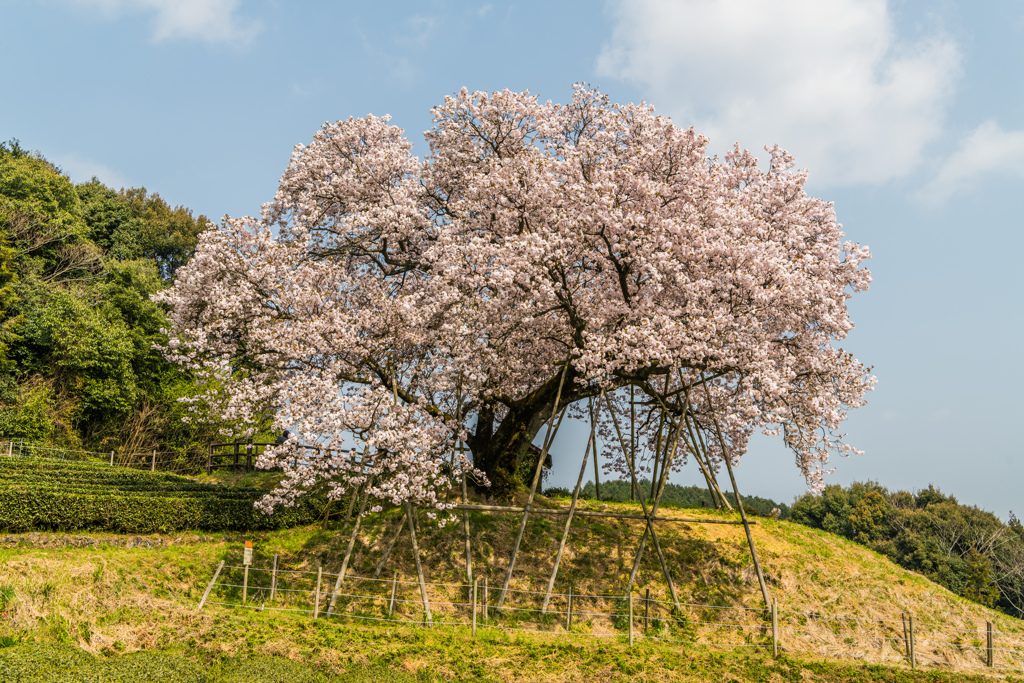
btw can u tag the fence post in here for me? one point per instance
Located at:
(273, 578)
(631, 618)
(111, 458)
(248, 456)
(234, 467)
(486, 598)
(152, 465)
(568, 610)
(209, 588)
(647, 609)
(775, 627)
(316, 595)
(990, 659)
(10, 448)
(245, 585)
(910, 642)
(391, 604)
(209, 460)
(475, 582)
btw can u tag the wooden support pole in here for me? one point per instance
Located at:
(475, 581)
(111, 458)
(394, 590)
(630, 596)
(739, 502)
(910, 641)
(316, 594)
(593, 513)
(234, 468)
(647, 516)
(209, 460)
(152, 465)
(273, 578)
(209, 588)
(989, 649)
(465, 529)
(597, 477)
(419, 567)
(348, 552)
(549, 437)
(390, 546)
(568, 520)
(486, 599)
(775, 627)
(245, 584)
(351, 506)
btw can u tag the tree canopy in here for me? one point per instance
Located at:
(78, 264)
(540, 255)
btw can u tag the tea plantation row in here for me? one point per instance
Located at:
(70, 496)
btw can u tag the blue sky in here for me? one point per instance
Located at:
(909, 115)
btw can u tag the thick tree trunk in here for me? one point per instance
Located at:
(498, 449)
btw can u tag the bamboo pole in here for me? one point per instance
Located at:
(348, 551)
(475, 581)
(419, 567)
(647, 516)
(273, 578)
(568, 520)
(316, 594)
(391, 603)
(533, 487)
(592, 513)
(209, 588)
(390, 546)
(739, 501)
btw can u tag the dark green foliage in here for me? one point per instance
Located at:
(63, 496)
(967, 550)
(78, 329)
(52, 663)
(675, 496)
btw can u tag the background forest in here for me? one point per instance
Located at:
(78, 368)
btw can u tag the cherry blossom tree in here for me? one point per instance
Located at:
(409, 305)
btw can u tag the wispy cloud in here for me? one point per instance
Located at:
(82, 170)
(830, 81)
(211, 21)
(986, 152)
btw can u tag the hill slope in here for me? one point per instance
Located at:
(834, 598)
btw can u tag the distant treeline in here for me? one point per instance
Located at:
(969, 551)
(674, 496)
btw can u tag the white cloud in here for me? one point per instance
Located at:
(212, 21)
(988, 150)
(829, 81)
(82, 170)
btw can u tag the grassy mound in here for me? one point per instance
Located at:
(38, 494)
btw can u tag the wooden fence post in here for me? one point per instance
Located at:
(990, 658)
(647, 609)
(568, 610)
(209, 588)
(209, 460)
(111, 458)
(775, 627)
(248, 456)
(475, 582)
(273, 578)
(316, 594)
(394, 589)
(486, 597)
(152, 465)
(913, 655)
(234, 468)
(245, 585)
(631, 618)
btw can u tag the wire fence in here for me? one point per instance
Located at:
(628, 617)
(237, 456)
